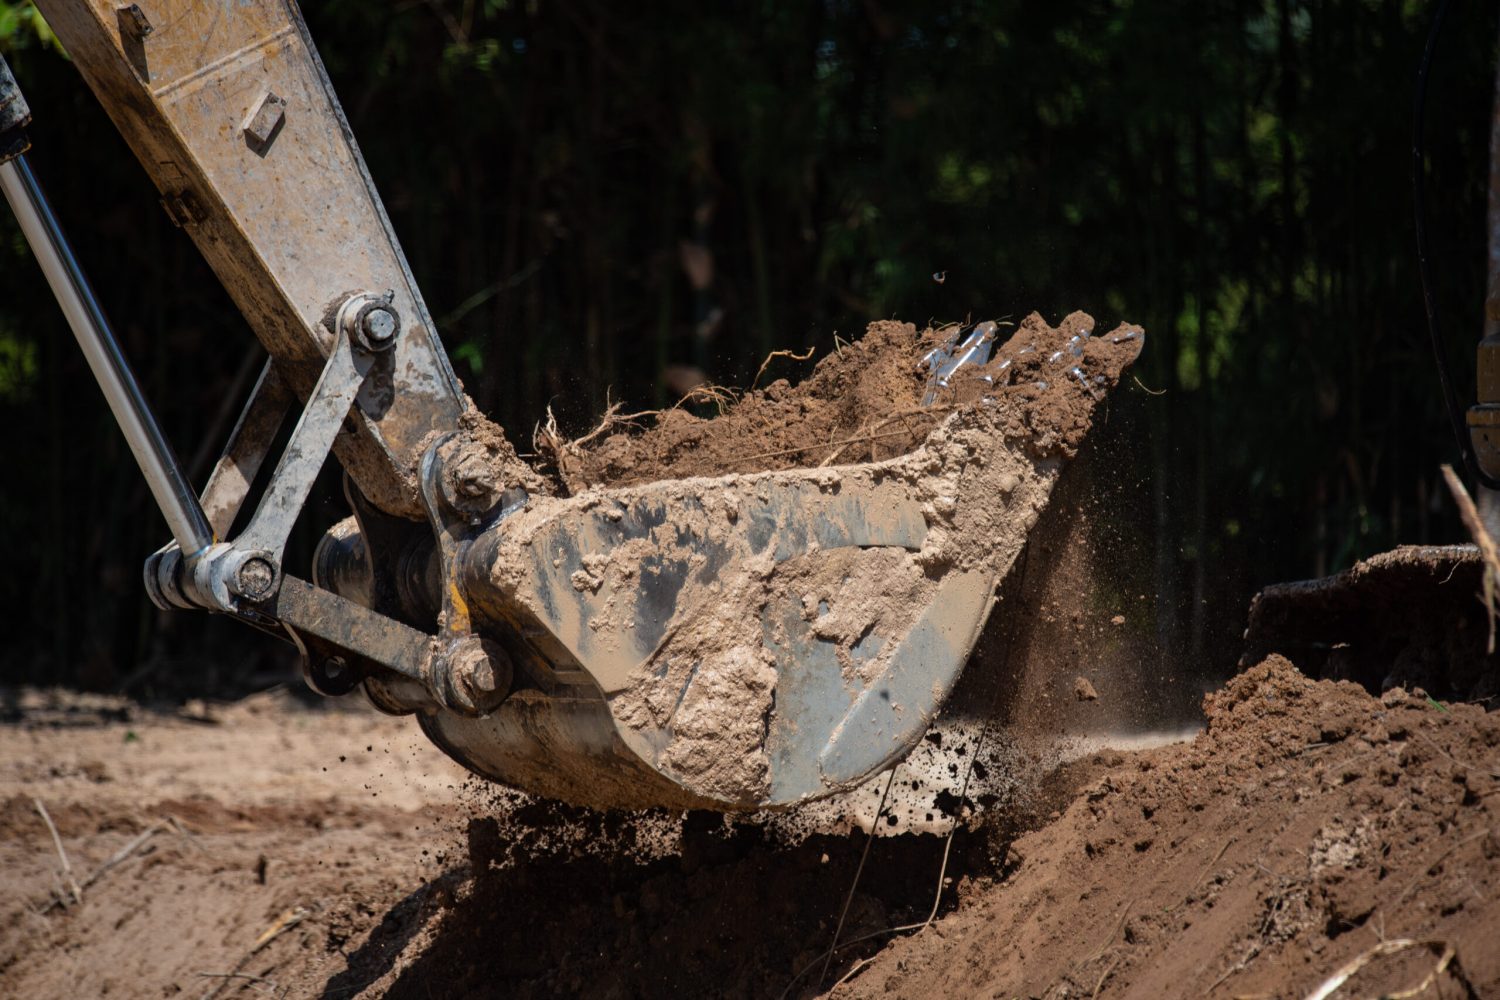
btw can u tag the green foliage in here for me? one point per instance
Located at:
(22, 26)
(18, 368)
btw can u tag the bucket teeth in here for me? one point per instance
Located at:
(973, 351)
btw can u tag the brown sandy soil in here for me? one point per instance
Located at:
(261, 809)
(1309, 822)
(862, 402)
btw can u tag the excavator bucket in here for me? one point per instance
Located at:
(736, 642)
(753, 641)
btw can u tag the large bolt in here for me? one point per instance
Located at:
(379, 327)
(479, 676)
(470, 485)
(474, 477)
(369, 320)
(255, 578)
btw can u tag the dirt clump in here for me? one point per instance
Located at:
(510, 470)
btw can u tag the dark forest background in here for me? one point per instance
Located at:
(599, 198)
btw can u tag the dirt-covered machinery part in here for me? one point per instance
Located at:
(734, 643)
(739, 642)
(1411, 617)
(230, 112)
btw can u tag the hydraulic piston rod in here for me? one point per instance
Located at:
(174, 494)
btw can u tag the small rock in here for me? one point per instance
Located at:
(1117, 620)
(1083, 690)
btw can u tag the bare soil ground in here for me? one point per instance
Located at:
(312, 852)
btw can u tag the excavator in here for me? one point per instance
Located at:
(734, 643)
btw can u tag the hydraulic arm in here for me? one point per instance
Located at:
(663, 644)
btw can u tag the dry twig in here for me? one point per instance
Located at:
(863, 857)
(62, 855)
(1250, 953)
(1447, 959)
(1429, 866)
(1463, 764)
(547, 439)
(870, 431)
(1103, 976)
(1208, 868)
(116, 858)
(804, 356)
(113, 860)
(1469, 514)
(283, 923)
(854, 970)
(1119, 924)
(288, 919)
(721, 396)
(185, 833)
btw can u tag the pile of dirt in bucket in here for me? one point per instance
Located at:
(862, 402)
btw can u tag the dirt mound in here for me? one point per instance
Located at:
(1309, 823)
(861, 403)
(1409, 617)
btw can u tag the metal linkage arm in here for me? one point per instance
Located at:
(342, 643)
(264, 538)
(246, 450)
(249, 567)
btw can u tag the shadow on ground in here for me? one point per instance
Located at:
(733, 916)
